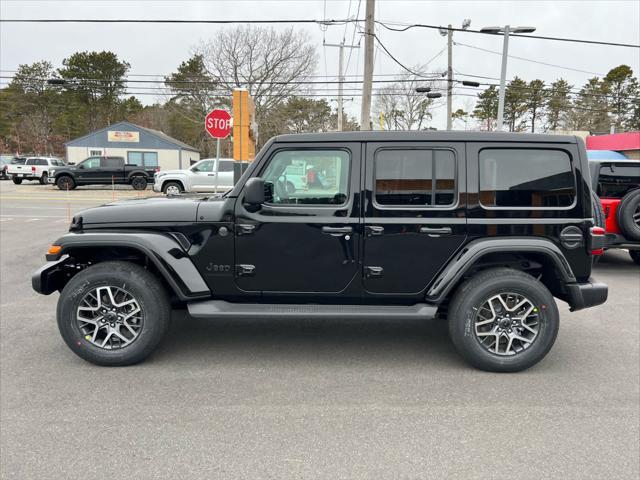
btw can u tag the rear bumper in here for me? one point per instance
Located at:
(615, 240)
(585, 295)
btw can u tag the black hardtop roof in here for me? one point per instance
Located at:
(433, 136)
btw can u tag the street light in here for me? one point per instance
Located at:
(423, 89)
(506, 30)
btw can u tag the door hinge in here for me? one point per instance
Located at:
(371, 272)
(245, 270)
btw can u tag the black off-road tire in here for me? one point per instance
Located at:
(168, 185)
(147, 290)
(65, 182)
(598, 212)
(139, 183)
(474, 292)
(629, 215)
(16, 180)
(43, 178)
(635, 256)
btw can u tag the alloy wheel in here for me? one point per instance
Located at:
(172, 190)
(110, 317)
(507, 324)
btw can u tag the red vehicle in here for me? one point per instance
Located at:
(617, 183)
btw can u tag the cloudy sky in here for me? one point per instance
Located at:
(154, 49)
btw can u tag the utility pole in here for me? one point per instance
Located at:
(365, 112)
(341, 46)
(449, 76)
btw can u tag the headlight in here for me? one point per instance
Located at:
(52, 172)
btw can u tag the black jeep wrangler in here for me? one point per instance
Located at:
(483, 229)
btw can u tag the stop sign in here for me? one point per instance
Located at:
(218, 123)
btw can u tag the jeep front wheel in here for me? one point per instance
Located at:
(113, 313)
(503, 320)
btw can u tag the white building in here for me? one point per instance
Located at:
(138, 146)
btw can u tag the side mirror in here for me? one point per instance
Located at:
(80, 166)
(254, 191)
(71, 163)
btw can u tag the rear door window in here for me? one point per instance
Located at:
(415, 177)
(526, 178)
(112, 162)
(615, 180)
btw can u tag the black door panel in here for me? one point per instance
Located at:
(406, 245)
(296, 246)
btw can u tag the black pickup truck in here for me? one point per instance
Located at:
(102, 171)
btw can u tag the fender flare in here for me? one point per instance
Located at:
(476, 249)
(165, 251)
(137, 173)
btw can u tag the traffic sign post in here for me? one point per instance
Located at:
(217, 123)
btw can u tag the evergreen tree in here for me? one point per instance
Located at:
(558, 105)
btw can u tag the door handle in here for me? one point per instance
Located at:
(337, 231)
(436, 231)
(374, 230)
(212, 174)
(245, 229)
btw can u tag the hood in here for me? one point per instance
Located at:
(172, 172)
(141, 210)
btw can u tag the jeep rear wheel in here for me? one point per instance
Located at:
(503, 320)
(113, 313)
(43, 178)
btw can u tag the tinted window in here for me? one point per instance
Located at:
(112, 162)
(31, 161)
(415, 177)
(57, 163)
(18, 161)
(206, 166)
(526, 178)
(324, 180)
(226, 167)
(41, 161)
(92, 162)
(614, 181)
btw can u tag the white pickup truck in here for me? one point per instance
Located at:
(203, 176)
(34, 168)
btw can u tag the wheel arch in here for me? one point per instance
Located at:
(539, 256)
(163, 254)
(176, 180)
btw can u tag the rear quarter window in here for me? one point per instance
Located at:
(526, 178)
(615, 181)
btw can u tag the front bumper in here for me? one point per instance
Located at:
(46, 278)
(51, 180)
(585, 295)
(157, 186)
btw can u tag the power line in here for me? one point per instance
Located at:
(539, 37)
(530, 60)
(386, 25)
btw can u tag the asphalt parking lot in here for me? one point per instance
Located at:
(313, 399)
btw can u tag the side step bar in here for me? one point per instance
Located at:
(222, 309)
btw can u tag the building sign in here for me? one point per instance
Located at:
(122, 136)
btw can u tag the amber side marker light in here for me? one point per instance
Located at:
(54, 249)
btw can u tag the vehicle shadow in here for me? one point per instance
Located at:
(312, 340)
(616, 261)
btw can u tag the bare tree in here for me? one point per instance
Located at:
(266, 62)
(401, 106)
